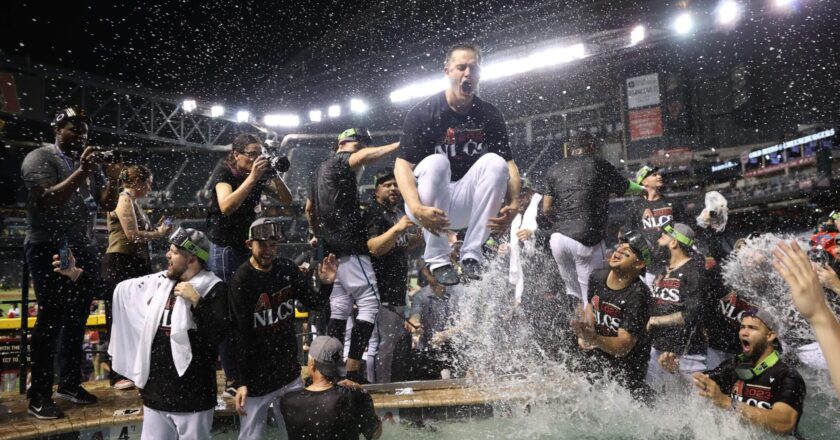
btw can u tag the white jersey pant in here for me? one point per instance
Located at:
(575, 263)
(468, 203)
(256, 412)
(164, 425)
(354, 282)
(663, 381)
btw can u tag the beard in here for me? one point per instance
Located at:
(175, 273)
(757, 350)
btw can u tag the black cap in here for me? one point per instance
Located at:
(382, 175)
(639, 245)
(70, 114)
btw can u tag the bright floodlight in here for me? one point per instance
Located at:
(243, 116)
(282, 120)
(315, 116)
(334, 111)
(637, 35)
(784, 3)
(189, 105)
(728, 12)
(358, 106)
(217, 111)
(683, 24)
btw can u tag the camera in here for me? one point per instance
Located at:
(106, 156)
(819, 255)
(277, 163)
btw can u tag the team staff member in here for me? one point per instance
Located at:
(263, 294)
(390, 235)
(615, 318)
(575, 213)
(757, 384)
(66, 188)
(455, 166)
(649, 213)
(336, 218)
(678, 297)
(327, 409)
(234, 204)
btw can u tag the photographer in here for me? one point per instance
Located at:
(66, 189)
(235, 203)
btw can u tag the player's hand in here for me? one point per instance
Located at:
(239, 400)
(185, 290)
(524, 234)
(805, 288)
(502, 222)
(432, 219)
(669, 362)
(87, 160)
(711, 390)
(328, 269)
(347, 383)
(72, 271)
(828, 278)
(258, 168)
(404, 224)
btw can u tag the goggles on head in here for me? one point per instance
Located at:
(355, 134)
(835, 215)
(266, 231)
(746, 371)
(638, 244)
(181, 238)
(676, 235)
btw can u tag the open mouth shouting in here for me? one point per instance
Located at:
(746, 345)
(467, 87)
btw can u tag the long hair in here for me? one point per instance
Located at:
(133, 175)
(238, 146)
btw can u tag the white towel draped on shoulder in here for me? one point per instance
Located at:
(137, 310)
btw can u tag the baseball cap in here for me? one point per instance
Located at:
(639, 245)
(69, 114)
(355, 134)
(328, 352)
(265, 228)
(193, 240)
(644, 172)
(680, 232)
(383, 175)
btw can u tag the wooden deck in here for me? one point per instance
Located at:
(406, 396)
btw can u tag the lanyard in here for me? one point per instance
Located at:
(67, 161)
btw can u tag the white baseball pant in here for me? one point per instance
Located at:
(575, 263)
(469, 202)
(354, 282)
(164, 425)
(252, 424)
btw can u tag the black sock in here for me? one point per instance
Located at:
(336, 328)
(359, 338)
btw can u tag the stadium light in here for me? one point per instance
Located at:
(243, 116)
(315, 116)
(216, 111)
(419, 90)
(334, 111)
(358, 106)
(784, 4)
(728, 12)
(637, 35)
(189, 105)
(281, 120)
(683, 24)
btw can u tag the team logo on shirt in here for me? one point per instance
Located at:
(272, 309)
(732, 307)
(753, 395)
(166, 318)
(655, 219)
(607, 317)
(464, 142)
(666, 290)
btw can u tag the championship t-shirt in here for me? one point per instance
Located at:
(722, 315)
(779, 383)
(680, 290)
(392, 268)
(334, 194)
(432, 127)
(627, 308)
(232, 230)
(648, 217)
(337, 413)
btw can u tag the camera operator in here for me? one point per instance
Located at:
(66, 189)
(235, 203)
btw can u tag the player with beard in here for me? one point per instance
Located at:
(614, 320)
(757, 384)
(649, 213)
(336, 218)
(455, 166)
(678, 297)
(166, 328)
(66, 189)
(263, 294)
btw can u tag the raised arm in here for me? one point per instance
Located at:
(371, 154)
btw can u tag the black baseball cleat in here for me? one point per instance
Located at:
(76, 394)
(472, 268)
(446, 275)
(44, 409)
(357, 376)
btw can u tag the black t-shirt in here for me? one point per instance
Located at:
(627, 308)
(779, 383)
(648, 217)
(264, 314)
(196, 389)
(580, 188)
(339, 217)
(392, 268)
(337, 413)
(432, 127)
(681, 290)
(232, 230)
(722, 315)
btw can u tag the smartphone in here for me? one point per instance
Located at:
(64, 257)
(167, 221)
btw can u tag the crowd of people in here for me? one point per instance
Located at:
(652, 315)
